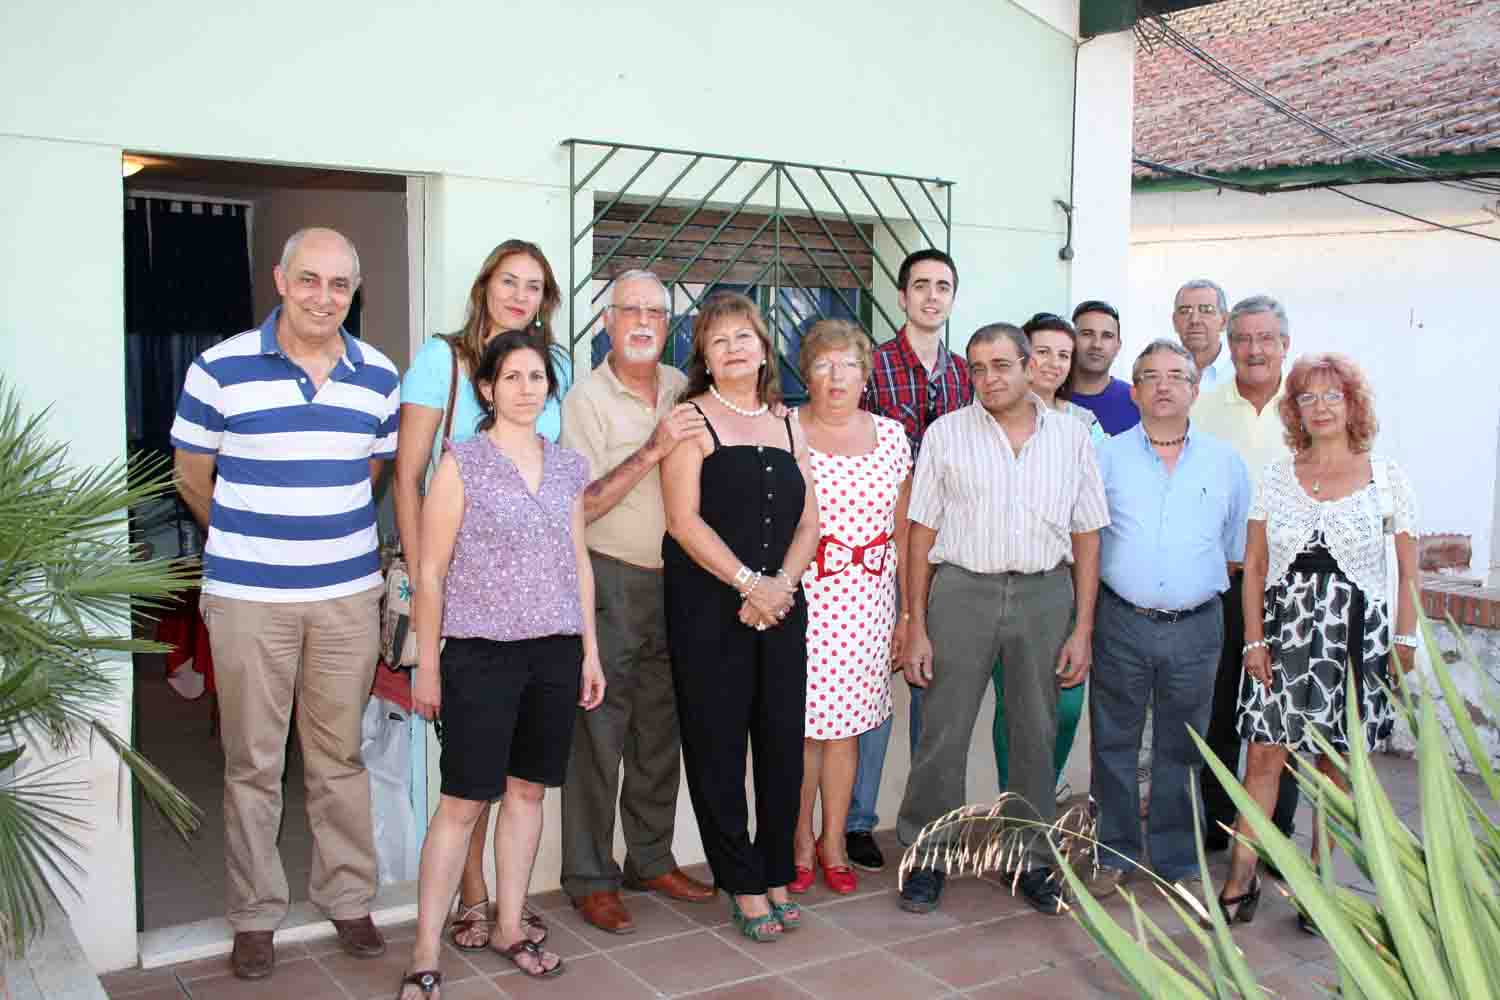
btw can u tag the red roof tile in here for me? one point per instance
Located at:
(1412, 78)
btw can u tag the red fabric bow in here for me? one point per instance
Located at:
(835, 556)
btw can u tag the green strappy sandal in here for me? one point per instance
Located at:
(762, 930)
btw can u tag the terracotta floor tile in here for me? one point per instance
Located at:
(973, 901)
(695, 961)
(653, 920)
(478, 988)
(817, 940)
(972, 956)
(378, 977)
(1308, 981)
(593, 977)
(127, 981)
(560, 940)
(764, 988)
(878, 920)
(873, 976)
(304, 979)
(172, 990)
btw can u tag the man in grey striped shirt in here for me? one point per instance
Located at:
(1006, 508)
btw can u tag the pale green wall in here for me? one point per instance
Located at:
(477, 96)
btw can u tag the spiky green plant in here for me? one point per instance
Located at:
(1433, 932)
(69, 582)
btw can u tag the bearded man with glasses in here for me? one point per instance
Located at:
(624, 418)
(1178, 503)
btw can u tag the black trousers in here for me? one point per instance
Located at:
(738, 690)
(1223, 727)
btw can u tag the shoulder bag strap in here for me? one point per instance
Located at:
(437, 446)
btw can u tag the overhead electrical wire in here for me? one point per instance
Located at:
(1414, 218)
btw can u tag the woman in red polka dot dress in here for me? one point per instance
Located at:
(861, 467)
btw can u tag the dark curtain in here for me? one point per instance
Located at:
(187, 287)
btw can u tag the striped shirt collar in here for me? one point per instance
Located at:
(351, 358)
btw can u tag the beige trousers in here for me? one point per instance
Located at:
(320, 657)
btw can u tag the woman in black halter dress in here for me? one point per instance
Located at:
(742, 525)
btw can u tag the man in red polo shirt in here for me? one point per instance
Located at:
(914, 379)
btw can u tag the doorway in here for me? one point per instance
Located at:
(201, 238)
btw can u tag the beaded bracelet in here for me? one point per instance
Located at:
(1409, 641)
(1257, 644)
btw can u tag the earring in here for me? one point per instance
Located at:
(538, 321)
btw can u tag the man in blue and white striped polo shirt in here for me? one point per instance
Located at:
(297, 418)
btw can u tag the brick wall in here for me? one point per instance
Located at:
(1478, 607)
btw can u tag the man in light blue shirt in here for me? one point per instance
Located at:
(1178, 503)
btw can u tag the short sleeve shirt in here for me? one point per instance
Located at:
(293, 516)
(427, 381)
(606, 423)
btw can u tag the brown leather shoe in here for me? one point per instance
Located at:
(676, 884)
(606, 911)
(359, 937)
(254, 954)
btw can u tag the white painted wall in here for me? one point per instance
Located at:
(1101, 173)
(1412, 305)
(62, 344)
(457, 93)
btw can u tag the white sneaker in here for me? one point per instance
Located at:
(1064, 792)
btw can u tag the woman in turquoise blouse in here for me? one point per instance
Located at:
(514, 290)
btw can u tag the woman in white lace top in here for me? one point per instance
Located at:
(1319, 626)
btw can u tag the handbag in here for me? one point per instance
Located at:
(398, 643)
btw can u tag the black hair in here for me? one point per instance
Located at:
(500, 347)
(992, 332)
(1096, 306)
(1048, 321)
(915, 258)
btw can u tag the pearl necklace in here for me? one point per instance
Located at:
(735, 409)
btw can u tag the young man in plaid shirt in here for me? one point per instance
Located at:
(914, 380)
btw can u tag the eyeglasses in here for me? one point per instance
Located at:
(1259, 340)
(634, 314)
(1175, 378)
(1203, 310)
(1332, 397)
(827, 366)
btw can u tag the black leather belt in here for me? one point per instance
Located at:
(1157, 614)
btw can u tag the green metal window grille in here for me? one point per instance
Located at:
(805, 241)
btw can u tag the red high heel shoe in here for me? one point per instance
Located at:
(839, 879)
(802, 882)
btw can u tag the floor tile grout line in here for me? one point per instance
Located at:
(631, 973)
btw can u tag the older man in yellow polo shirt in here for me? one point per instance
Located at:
(1243, 412)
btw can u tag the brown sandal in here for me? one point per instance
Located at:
(425, 980)
(527, 945)
(477, 918)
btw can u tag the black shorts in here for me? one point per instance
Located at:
(508, 708)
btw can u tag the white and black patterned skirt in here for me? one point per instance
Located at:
(1313, 617)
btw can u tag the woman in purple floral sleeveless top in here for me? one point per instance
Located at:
(505, 571)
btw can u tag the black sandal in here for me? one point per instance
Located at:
(528, 945)
(425, 980)
(1244, 904)
(477, 917)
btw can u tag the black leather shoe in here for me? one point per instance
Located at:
(923, 889)
(1042, 890)
(862, 851)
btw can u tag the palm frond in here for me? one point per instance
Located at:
(71, 588)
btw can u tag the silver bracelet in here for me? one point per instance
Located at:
(1409, 641)
(1257, 644)
(743, 575)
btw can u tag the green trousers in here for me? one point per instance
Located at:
(1069, 709)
